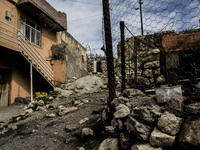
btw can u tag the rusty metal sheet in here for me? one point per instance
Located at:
(189, 41)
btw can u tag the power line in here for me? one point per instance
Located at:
(85, 3)
(85, 18)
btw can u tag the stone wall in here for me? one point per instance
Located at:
(71, 41)
(75, 65)
(146, 123)
(148, 62)
(150, 69)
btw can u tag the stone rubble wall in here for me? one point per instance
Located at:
(75, 65)
(141, 122)
(148, 63)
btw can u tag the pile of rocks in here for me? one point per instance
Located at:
(150, 67)
(140, 122)
(88, 84)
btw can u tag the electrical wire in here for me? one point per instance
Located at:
(84, 2)
(85, 18)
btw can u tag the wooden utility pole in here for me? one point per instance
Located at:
(109, 52)
(141, 19)
(123, 73)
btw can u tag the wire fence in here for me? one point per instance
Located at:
(161, 43)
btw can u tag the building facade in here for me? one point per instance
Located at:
(28, 29)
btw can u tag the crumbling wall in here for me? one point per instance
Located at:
(148, 59)
(75, 65)
(148, 123)
(71, 41)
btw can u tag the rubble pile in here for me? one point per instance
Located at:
(142, 122)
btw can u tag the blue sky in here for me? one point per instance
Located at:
(84, 20)
(84, 17)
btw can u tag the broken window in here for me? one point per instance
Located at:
(30, 31)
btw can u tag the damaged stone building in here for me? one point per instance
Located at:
(28, 30)
(173, 60)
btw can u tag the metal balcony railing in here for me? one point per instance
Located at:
(13, 35)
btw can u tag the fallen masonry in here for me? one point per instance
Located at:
(142, 122)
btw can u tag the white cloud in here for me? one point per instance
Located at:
(84, 20)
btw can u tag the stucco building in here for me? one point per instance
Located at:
(28, 29)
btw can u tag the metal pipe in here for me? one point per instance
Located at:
(8, 39)
(31, 80)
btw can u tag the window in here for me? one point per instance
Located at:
(30, 31)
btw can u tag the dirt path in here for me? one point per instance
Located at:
(7, 113)
(61, 132)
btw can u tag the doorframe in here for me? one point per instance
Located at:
(9, 71)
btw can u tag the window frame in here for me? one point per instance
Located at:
(30, 31)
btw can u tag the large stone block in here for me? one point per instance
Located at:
(190, 133)
(169, 123)
(132, 92)
(151, 65)
(160, 139)
(175, 105)
(140, 130)
(148, 114)
(145, 146)
(125, 140)
(109, 144)
(193, 108)
(160, 79)
(147, 73)
(121, 111)
(142, 81)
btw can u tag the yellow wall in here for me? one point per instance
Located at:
(48, 36)
(5, 5)
(20, 85)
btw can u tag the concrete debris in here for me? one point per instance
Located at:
(160, 139)
(50, 98)
(132, 92)
(145, 146)
(40, 103)
(81, 148)
(85, 101)
(79, 86)
(109, 129)
(190, 133)
(175, 105)
(121, 111)
(125, 140)
(64, 110)
(83, 120)
(70, 128)
(29, 111)
(148, 114)
(140, 130)
(109, 144)
(169, 123)
(193, 108)
(87, 132)
(50, 115)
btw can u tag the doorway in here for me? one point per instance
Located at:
(4, 87)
